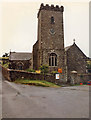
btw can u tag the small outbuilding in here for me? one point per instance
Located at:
(20, 60)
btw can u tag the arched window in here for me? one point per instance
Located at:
(53, 59)
(52, 20)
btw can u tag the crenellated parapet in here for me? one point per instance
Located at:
(51, 8)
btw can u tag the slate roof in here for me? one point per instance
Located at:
(66, 48)
(20, 56)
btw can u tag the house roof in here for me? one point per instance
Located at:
(20, 56)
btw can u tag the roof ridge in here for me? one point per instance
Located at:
(66, 48)
(20, 56)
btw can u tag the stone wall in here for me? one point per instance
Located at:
(16, 74)
(5, 73)
(79, 78)
(12, 75)
(83, 78)
(14, 64)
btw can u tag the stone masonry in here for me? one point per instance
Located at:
(50, 37)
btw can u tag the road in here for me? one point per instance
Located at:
(0, 94)
(24, 101)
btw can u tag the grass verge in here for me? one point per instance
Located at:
(37, 83)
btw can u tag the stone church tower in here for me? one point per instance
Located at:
(49, 48)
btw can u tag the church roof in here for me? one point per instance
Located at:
(20, 56)
(66, 48)
(74, 45)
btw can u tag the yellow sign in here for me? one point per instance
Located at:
(38, 71)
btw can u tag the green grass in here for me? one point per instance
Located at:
(37, 83)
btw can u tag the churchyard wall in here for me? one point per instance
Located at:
(12, 75)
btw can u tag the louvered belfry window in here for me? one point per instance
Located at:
(52, 20)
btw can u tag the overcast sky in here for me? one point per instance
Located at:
(18, 21)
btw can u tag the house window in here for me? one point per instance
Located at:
(52, 20)
(20, 66)
(53, 59)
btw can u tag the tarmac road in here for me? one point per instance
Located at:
(0, 94)
(24, 101)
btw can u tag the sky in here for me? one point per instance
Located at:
(18, 21)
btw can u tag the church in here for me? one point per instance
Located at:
(49, 48)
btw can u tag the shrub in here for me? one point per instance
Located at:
(44, 69)
(89, 66)
(6, 65)
(30, 70)
(54, 72)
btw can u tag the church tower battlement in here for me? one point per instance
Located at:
(51, 8)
